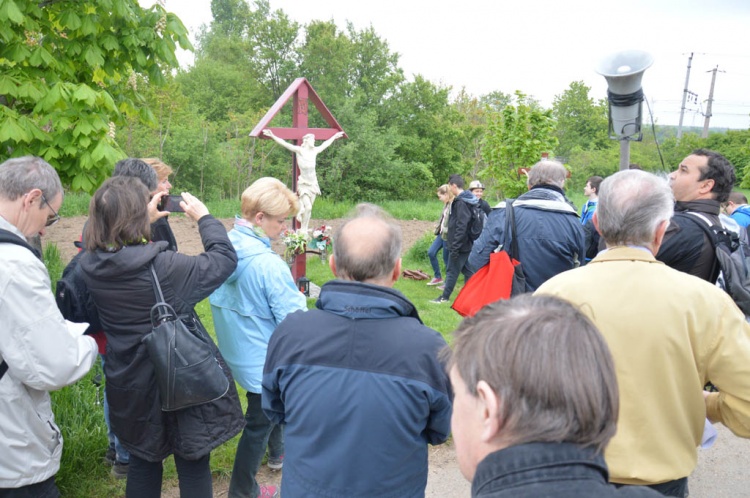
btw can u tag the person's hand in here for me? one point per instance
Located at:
(338, 135)
(153, 210)
(193, 207)
(268, 133)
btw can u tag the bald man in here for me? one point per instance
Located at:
(357, 381)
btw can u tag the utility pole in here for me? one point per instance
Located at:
(710, 101)
(684, 97)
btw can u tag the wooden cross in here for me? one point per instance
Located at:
(302, 93)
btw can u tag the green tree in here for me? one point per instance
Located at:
(581, 122)
(516, 137)
(68, 74)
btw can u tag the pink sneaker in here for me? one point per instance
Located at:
(269, 492)
(435, 281)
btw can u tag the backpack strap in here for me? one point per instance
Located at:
(10, 238)
(707, 228)
(510, 231)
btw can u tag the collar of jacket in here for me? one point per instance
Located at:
(359, 300)
(241, 226)
(545, 197)
(534, 462)
(708, 206)
(625, 253)
(468, 197)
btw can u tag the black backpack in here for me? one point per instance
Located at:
(476, 224)
(11, 238)
(73, 298)
(733, 259)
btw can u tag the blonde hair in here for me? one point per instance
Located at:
(162, 170)
(445, 190)
(270, 196)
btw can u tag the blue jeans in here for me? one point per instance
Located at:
(456, 265)
(438, 244)
(121, 454)
(259, 432)
(194, 476)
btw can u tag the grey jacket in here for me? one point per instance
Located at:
(41, 356)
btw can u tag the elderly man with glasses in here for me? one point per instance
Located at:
(37, 354)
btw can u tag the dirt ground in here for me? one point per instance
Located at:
(188, 240)
(721, 471)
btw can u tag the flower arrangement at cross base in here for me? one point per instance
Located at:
(322, 241)
(295, 242)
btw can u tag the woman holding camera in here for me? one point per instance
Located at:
(117, 273)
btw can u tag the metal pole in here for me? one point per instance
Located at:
(624, 154)
(710, 101)
(684, 97)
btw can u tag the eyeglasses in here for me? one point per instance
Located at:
(51, 220)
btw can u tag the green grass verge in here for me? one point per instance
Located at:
(324, 209)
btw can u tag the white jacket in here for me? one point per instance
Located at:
(41, 356)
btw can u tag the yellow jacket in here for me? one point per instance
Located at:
(669, 334)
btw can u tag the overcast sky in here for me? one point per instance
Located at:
(541, 46)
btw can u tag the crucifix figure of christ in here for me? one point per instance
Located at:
(307, 183)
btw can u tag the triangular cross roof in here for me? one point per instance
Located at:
(304, 87)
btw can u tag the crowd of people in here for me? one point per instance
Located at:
(589, 384)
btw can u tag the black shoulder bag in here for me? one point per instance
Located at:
(184, 357)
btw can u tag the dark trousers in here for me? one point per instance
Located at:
(456, 264)
(194, 476)
(677, 488)
(258, 433)
(44, 489)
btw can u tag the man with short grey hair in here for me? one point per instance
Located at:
(669, 332)
(37, 354)
(357, 381)
(550, 236)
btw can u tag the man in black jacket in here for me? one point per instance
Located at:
(459, 241)
(701, 183)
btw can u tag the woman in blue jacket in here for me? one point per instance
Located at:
(246, 310)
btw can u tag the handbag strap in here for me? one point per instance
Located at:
(510, 228)
(164, 311)
(155, 284)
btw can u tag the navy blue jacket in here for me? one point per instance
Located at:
(550, 236)
(548, 470)
(361, 391)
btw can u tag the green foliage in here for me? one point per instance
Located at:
(581, 122)
(419, 251)
(68, 74)
(516, 137)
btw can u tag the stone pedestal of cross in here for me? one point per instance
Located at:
(302, 93)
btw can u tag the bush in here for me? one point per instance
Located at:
(417, 254)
